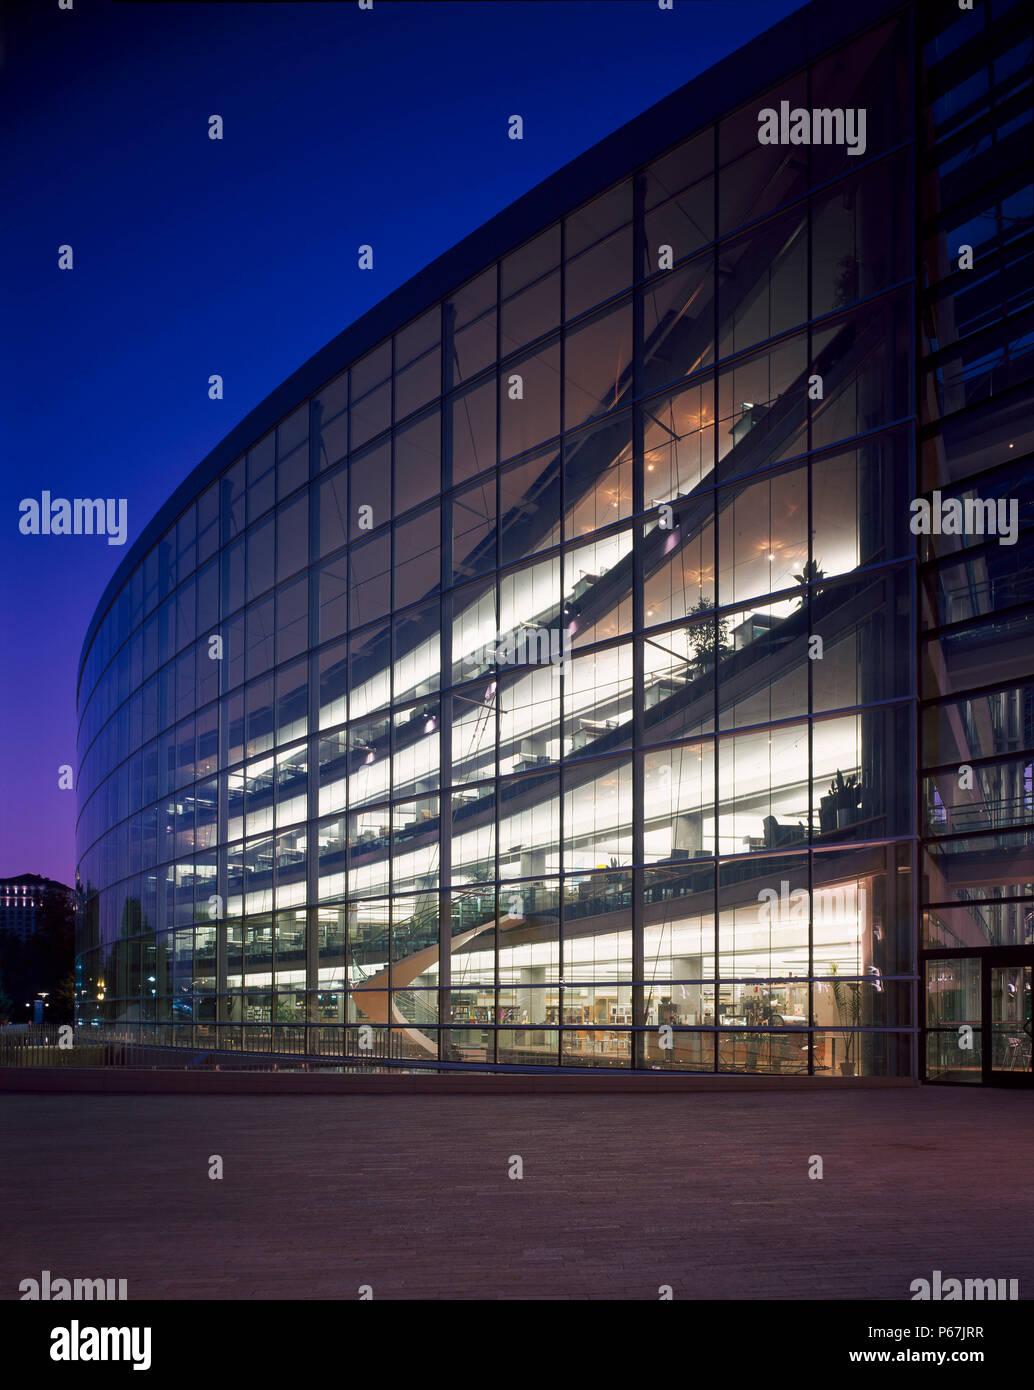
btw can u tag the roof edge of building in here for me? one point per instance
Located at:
(799, 38)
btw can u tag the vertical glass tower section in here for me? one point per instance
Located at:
(977, 582)
(542, 689)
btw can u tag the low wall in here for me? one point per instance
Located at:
(125, 1081)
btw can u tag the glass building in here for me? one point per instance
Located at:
(549, 674)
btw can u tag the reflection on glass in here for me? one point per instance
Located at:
(1010, 1020)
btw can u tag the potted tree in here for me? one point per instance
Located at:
(847, 996)
(840, 806)
(810, 574)
(710, 641)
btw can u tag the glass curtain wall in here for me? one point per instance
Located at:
(541, 691)
(977, 638)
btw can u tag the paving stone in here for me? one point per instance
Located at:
(621, 1193)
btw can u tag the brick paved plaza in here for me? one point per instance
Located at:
(620, 1194)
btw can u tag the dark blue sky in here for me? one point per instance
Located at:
(239, 257)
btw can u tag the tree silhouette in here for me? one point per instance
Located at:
(710, 640)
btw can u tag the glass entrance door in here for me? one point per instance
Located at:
(953, 1033)
(1009, 1025)
(977, 1026)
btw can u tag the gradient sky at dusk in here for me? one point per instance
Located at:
(194, 256)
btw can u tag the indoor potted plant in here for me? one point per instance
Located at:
(840, 806)
(847, 995)
(810, 574)
(710, 642)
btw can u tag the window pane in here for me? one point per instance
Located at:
(370, 579)
(371, 370)
(332, 493)
(417, 643)
(678, 324)
(333, 598)
(678, 804)
(292, 537)
(330, 417)
(762, 535)
(473, 530)
(598, 815)
(531, 262)
(470, 328)
(529, 400)
(762, 408)
(474, 628)
(259, 572)
(678, 196)
(678, 682)
(371, 415)
(762, 282)
(872, 73)
(866, 651)
(417, 557)
(292, 618)
(598, 477)
(598, 700)
(764, 790)
(529, 720)
(261, 478)
(530, 314)
(863, 362)
(418, 384)
(418, 469)
(859, 505)
(598, 589)
(370, 503)
(679, 564)
(762, 664)
(599, 218)
(598, 365)
(333, 689)
(860, 237)
(417, 338)
(529, 506)
(678, 442)
(471, 422)
(599, 273)
(754, 179)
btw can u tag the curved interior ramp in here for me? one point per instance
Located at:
(379, 1008)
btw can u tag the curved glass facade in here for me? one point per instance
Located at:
(541, 690)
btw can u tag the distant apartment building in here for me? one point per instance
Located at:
(21, 902)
